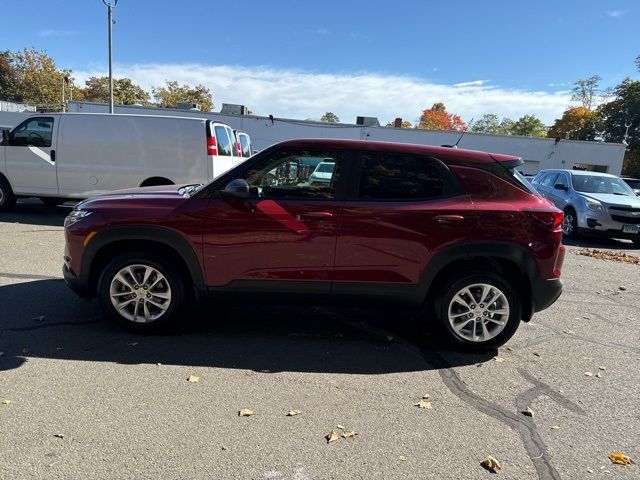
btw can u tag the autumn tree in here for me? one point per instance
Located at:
(491, 124)
(405, 124)
(30, 76)
(172, 93)
(529, 126)
(437, 118)
(621, 116)
(577, 123)
(329, 117)
(585, 91)
(125, 92)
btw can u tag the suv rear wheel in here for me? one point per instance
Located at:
(478, 311)
(144, 293)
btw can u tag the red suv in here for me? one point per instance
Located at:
(459, 236)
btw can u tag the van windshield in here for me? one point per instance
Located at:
(598, 184)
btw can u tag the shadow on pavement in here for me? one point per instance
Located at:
(44, 319)
(602, 243)
(34, 212)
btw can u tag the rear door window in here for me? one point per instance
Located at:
(234, 142)
(224, 143)
(548, 180)
(245, 144)
(561, 180)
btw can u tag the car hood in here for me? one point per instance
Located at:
(611, 199)
(166, 195)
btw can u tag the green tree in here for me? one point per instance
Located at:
(621, 116)
(172, 93)
(491, 124)
(33, 78)
(529, 126)
(330, 117)
(585, 91)
(577, 123)
(7, 78)
(125, 92)
(405, 124)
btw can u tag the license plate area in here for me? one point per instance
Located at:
(630, 229)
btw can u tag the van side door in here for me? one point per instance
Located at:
(31, 156)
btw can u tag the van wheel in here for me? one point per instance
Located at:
(570, 223)
(142, 292)
(7, 198)
(477, 311)
(52, 201)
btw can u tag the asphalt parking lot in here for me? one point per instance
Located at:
(84, 399)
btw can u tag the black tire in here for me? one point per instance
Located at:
(7, 198)
(571, 219)
(175, 279)
(457, 283)
(52, 201)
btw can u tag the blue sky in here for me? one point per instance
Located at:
(301, 58)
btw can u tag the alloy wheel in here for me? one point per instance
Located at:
(478, 312)
(140, 293)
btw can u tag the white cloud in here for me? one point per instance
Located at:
(469, 84)
(57, 33)
(615, 13)
(298, 94)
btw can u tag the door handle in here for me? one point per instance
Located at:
(315, 216)
(53, 155)
(448, 218)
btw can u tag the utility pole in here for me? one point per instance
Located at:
(110, 8)
(64, 79)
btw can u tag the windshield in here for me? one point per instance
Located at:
(598, 184)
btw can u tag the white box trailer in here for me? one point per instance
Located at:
(73, 156)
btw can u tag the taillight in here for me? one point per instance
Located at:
(550, 220)
(239, 147)
(212, 147)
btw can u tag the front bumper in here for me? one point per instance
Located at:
(607, 224)
(77, 284)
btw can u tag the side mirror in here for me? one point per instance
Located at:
(5, 137)
(237, 188)
(560, 186)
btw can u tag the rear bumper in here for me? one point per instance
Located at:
(77, 284)
(545, 293)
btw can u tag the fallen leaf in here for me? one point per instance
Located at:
(132, 344)
(426, 396)
(602, 368)
(39, 319)
(349, 434)
(25, 350)
(620, 458)
(622, 287)
(555, 427)
(332, 436)
(7, 402)
(589, 470)
(536, 354)
(509, 349)
(423, 404)
(389, 338)
(340, 427)
(491, 464)
(294, 412)
(528, 412)
(59, 435)
(245, 412)
(606, 255)
(599, 375)
(223, 448)
(193, 379)
(588, 374)
(403, 458)
(498, 359)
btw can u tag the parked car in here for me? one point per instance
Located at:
(634, 183)
(323, 172)
(75, 155)
(455, 235)
(596, 204)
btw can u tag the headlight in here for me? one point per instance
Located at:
(594, 205)
(74, 216)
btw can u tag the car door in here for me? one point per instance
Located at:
(545, 185)
(30, 157)
(403, 208)
(559, 191)
(282, 238)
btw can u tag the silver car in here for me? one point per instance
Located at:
(594, 203)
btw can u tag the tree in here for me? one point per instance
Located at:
(529, 126)
(490, 124)
(330, 117)
(405, 124)
(577, 123)
(172, 93)
(125, 92)
(586, 91)
(7, 78)
(621, 116)
(32, 77)
(437, 118)
(638, 62)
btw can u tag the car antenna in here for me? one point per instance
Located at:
(455, 145)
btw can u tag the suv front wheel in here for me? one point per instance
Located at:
(478, 311)
(144, 293)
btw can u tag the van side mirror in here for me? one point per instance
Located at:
(560, 186)
(5, 137)
(238, 188)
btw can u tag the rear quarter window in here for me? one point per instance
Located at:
(224, 143)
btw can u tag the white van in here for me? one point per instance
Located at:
(75, 155)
